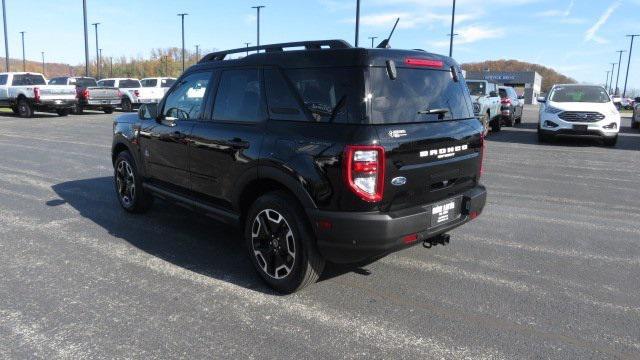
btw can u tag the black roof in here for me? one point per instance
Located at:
(317, 53)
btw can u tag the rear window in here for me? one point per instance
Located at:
(167, 82)
(477, 88)
(149, 83)
(414, 93)
(58, 81)
(503, 93)
(128, 84)
(106, 83)
(28, 79)
(84, 82)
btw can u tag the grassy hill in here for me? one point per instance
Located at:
(549, 76)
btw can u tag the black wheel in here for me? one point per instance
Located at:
(519, 119)
(25, 109)
(108, 110)
(126, 105)
(131, 195)
(15, 110)
(611, 142)
(281, 244)
(63, 112)
(509, 121)
(78, 109)
(496, 125)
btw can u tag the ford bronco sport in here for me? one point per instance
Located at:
(320, 153)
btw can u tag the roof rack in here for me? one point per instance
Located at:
(308, 45)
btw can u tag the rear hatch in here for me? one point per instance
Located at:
(103, 93)
(57, 92)
(425, 122)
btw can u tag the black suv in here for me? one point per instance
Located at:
(322, 152)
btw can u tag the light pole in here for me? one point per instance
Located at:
(86, 39)
(247, 45)
(613, 66)
(618, 77)
(606, 83)
(197, 52)
(357, 21)
(452, 34)
(99, 63)
(97, 51)
(373, 38)
(111, 66)
(182, 15)
(624, 92)
(6, 41)
(24, 60)
(258, 23)
(42, 52)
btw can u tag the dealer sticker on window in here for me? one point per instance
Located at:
(446, 211)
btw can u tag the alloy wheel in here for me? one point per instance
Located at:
(273, 244)
(126, 184)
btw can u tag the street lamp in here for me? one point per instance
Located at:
(247, 45)
(613, 66)
(86, 39)
(24, 60)
(197, 52)
(6, 41)
(357, 21)
(373, 38)
(624, 93)
(182, 15)
(258, 23)
(42, 52)
(452, 34)
(99, 63)
(97, 51)
(619, 62)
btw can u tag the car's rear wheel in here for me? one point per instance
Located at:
(128, 185)
(25, 109)
(108, 110)
(126, 105)
(63, 112)
(281, 244)
(15, 110)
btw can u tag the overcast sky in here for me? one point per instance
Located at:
(576, 37)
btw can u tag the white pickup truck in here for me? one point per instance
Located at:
(486, 103)
(133, 94)
(26, 92)
(159, 85)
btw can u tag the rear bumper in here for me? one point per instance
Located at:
(355, 237)
(100, 103)
(44, 105)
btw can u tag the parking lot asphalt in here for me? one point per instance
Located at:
(550, 270)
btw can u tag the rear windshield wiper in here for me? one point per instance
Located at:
(433, 111)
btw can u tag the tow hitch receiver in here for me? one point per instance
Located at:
(442, 239)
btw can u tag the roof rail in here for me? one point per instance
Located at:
(308, 45)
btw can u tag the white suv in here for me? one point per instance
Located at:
(578, 110)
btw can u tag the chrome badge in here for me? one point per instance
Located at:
(397, 133)
(399, 181)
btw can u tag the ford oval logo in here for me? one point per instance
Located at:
(399, 181)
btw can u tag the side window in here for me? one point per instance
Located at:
(239, 96)
(185, 102)
(282, 102)
(3, 79)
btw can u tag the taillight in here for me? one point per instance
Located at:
(436, 64)
(364, 171)
(85, 93)
(482, 151)
(119, 93)
(136, 93)
(506, 101)
(36, 94)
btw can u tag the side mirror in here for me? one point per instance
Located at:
(493, 94)
(148, 111)
(542, 99)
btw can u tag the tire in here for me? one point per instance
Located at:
(78, 109)
(509, 121)
(610, 142)
(128, 185)
(15, 110)
(25, 109)
(63, 112)
(126, 105)
(496, 125)
(108, 110)
(284, 250)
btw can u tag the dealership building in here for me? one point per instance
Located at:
(527, 83)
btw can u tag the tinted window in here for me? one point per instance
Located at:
(503, 93)
(85, 82)
(330, 94)
(3, 79)
(186, 100)
(282, 102)
(592, 94)
(167, 82)
(149, 83)
(106, 83)
(129, 84)
(414, 93)
(477, 88)
(28, 79)
(239, 96)
(58, 81)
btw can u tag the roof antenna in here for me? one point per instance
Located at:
(385, 43)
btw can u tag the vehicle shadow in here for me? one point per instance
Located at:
(36, 115)
(173, 234)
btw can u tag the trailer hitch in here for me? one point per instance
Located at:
(442, 239)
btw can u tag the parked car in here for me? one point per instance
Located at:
(159, 85)
(486, 103)
(294, 156)
(90, 95)
(26, 92)
(635, 119)
(511, 107)
(578, 110)
(132, 92)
